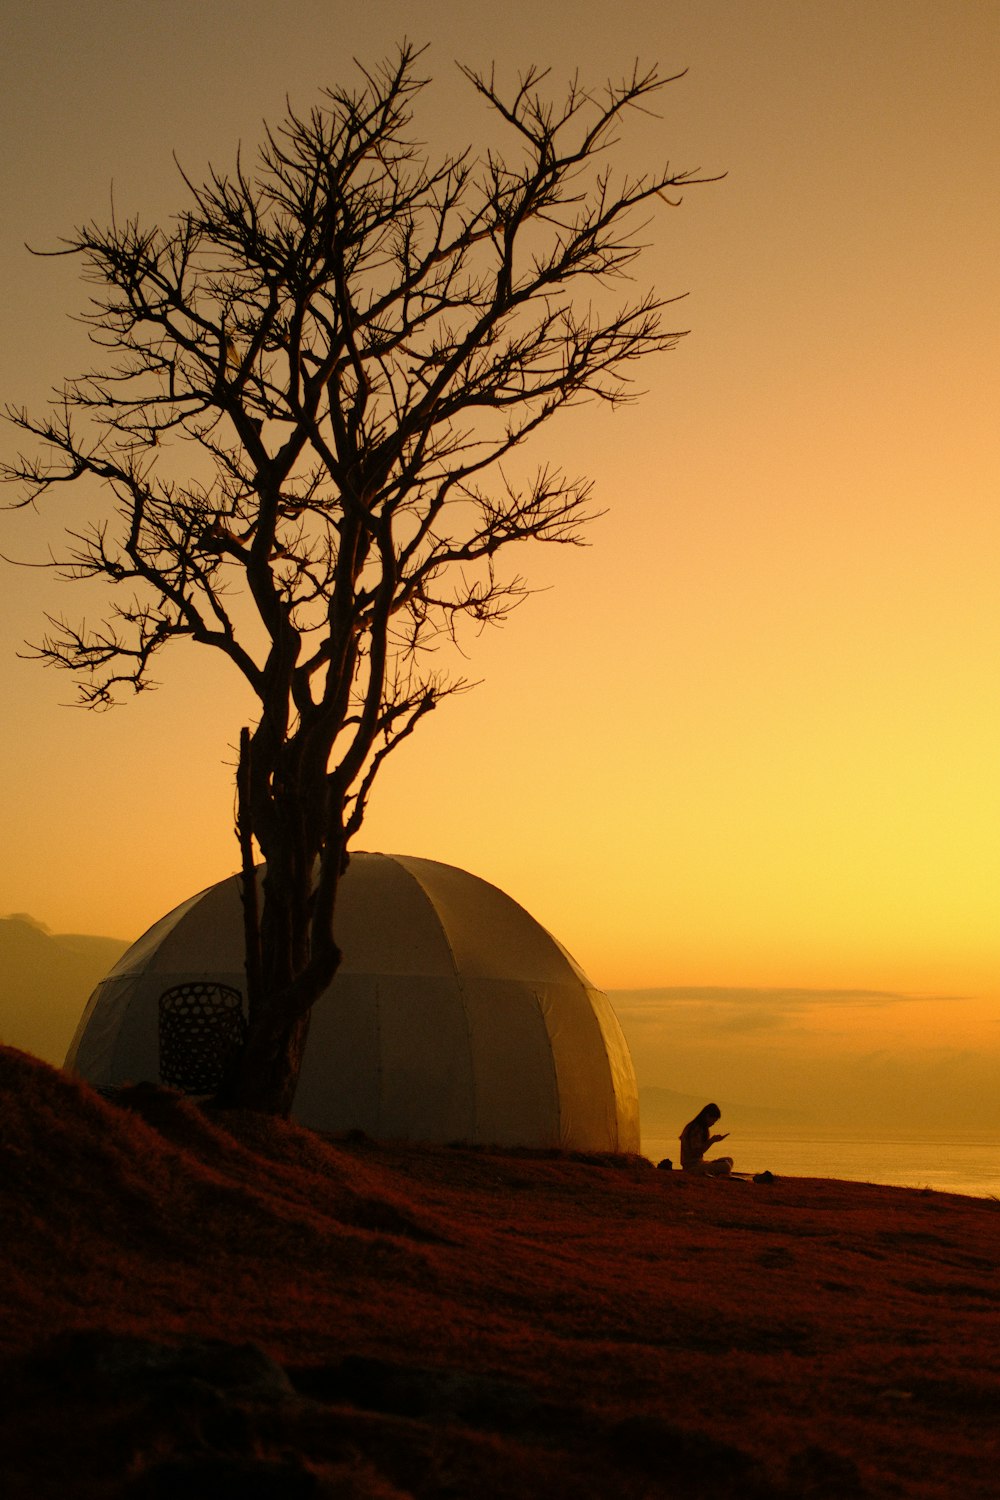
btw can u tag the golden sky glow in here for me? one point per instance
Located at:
(751, 736)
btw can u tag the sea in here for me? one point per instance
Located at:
(947, 1164)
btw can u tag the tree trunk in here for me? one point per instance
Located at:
(289, 966)
(268, 1071)
(248, 890)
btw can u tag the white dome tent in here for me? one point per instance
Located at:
(454, 1015)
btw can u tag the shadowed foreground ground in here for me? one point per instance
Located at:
(225, 1307)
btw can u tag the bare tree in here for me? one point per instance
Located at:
(356, 340)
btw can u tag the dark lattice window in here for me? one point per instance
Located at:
(202, 1032)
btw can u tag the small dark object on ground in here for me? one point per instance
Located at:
(763, 1177)
(666, 1165)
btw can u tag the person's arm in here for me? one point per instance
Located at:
(692, 1145)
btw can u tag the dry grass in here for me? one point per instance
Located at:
(469, 1323)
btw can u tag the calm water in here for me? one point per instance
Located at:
(951, 1165)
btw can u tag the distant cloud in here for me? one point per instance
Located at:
(774, 1000)
(719, 1012)
(857, 1058)
(759, 1018)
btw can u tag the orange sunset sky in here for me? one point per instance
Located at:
(751, 735)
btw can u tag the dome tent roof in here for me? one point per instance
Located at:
(454, 1015)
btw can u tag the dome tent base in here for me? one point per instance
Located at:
(454, 1015)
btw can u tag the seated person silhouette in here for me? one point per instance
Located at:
(695, 1141)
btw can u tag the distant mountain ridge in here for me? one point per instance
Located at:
(45, 981)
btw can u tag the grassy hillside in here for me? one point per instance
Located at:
(221, 1306)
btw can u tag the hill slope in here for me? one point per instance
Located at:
(45, 981)
(225, 1305)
